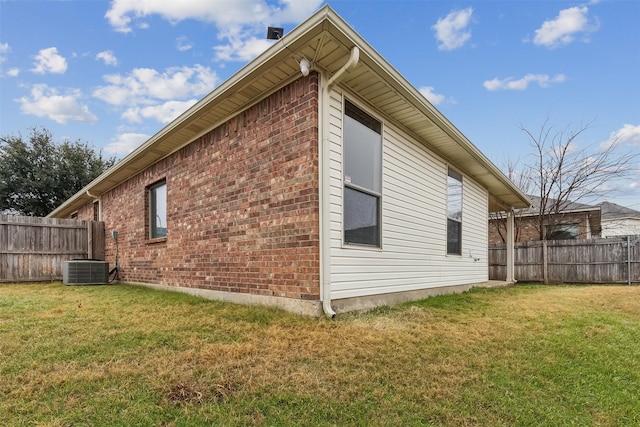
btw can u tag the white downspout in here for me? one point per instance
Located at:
(510, 248)
(325, 184)
(348, 66)
(99, 199)
(89, 228)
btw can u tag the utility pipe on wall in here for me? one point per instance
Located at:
(325, 194)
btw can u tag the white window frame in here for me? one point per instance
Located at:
(157, 213)
(453, 174)
(348, 185)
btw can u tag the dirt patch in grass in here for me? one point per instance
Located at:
(192, 394)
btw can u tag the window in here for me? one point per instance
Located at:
(158, 210)
(454, 212)
(362, 177)
(564, 232)
(96, 210)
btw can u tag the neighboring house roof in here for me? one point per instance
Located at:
(569, 212)
(612, 211)
(326, 40)
(566, 208)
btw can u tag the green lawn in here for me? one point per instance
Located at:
(126, 355)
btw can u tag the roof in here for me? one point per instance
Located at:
(326, 40)
(567, 208)
(611, 211)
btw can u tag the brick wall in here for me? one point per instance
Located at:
(526, 229)
(242, 205)
(85, 213)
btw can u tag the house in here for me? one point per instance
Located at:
(619, 220)
(314, 179)
(561, 220)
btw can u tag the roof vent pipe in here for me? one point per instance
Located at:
(325, 263)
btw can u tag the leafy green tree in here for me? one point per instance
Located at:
(37, 175)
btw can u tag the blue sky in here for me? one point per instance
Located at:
(113, 73)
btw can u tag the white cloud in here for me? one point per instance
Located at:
(49, 61)
(543, 80)
(107, 57)
(163, 113)
(146, 86)
(61, 108)
(183, 44)
(451, 31)
(122, 13)
(241, 24)
(241, 50)
(563, 28)
(12, 72)
(435, 98)
(4, 49)
(125, 143)
(626, 135)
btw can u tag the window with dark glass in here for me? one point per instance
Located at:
(454, 212)
(362, 177)
(564, 232)
(158, 210)
(96, 210)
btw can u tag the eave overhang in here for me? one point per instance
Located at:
(326, 41)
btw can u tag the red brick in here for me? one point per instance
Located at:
(242, 205)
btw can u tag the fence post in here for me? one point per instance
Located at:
(89, 240)
(628, 260)
(510, 249)
(545, 264)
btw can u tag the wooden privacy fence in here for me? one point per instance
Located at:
(33, 249)
(612, 260)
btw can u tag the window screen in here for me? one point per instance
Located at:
(361, 218)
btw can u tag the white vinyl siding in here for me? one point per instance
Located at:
(620, 227)
(414, 212)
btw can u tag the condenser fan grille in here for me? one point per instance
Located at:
(85, 272)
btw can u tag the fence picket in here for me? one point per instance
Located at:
(33, 249)
(571, 261)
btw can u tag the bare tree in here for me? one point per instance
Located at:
(522, 179)
(561, 174)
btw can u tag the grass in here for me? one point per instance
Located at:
(125, 356)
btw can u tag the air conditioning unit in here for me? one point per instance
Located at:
(85, 272)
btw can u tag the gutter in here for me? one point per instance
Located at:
(99, 200)
(92, 196)
(325, 184)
